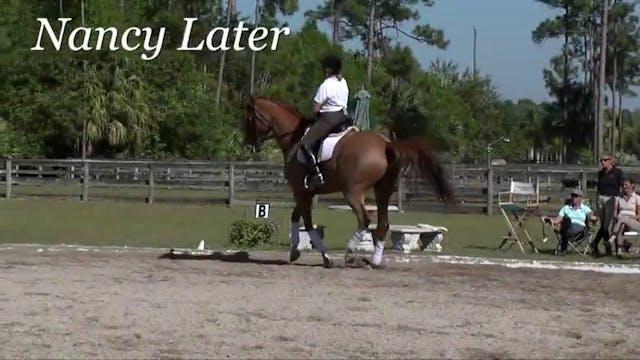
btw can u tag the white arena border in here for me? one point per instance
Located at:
(389, 257)
(531, 264)
(81, 248)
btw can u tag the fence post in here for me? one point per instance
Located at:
(7, 191)
(490, 191)
(583, 181)
(231, 183)
(400, 192)
(150, 185)
(85, 181)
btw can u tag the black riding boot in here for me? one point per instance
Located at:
(314, 178)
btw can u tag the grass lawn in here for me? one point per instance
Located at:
(52, 221)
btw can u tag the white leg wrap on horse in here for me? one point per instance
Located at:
(295, 235)
(377, 252)
(316, 240)
(357, 237)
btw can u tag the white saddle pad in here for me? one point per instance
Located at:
(328, 144)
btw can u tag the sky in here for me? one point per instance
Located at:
(504, 50)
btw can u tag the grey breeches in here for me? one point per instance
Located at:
(606, 206)
(322, 127)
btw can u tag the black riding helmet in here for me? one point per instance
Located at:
(332, 63)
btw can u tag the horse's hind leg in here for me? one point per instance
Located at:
(355, 199)
(383, 191)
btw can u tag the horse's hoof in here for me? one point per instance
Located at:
(294, 255)
(327, 263)
(373, 266)
(355, 261)
(349, 258)
(351, 261)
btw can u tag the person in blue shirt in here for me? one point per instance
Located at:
(572, 218)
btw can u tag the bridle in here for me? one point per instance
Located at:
(258, 117)
(255, 117)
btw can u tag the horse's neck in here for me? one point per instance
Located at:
(294, 134)
(288, 133)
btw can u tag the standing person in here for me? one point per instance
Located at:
(330, 107)
(609, 184)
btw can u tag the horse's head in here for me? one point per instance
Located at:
(257, 128)
(266, 119)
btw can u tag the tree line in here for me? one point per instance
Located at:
(104, 104)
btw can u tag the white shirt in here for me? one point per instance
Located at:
(628, 207)
(332, 94)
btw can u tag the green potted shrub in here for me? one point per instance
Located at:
(249, 233)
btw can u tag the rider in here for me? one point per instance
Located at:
(330, 109)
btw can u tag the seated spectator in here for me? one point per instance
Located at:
(572, 219)
(626, 214)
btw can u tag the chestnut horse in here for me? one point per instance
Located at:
(360, 160)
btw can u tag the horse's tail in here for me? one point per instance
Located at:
(419, 154)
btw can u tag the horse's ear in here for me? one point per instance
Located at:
(252, 100)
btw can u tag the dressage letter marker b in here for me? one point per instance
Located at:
(262, 211)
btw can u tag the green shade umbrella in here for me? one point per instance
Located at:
(361, 117)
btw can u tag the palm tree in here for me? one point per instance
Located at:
(117, 110)
(447, 71)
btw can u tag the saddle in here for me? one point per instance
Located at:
(338, 129)
(323, 148)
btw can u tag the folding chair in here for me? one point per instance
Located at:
(579, 242)
(520, 201)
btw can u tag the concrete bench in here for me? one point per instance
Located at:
(407, 238)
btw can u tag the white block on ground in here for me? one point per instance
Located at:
(393, 208)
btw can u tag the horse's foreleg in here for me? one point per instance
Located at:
(316, 240)
(294, 254)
